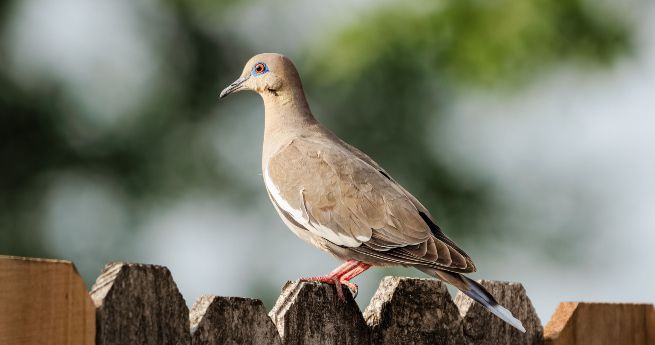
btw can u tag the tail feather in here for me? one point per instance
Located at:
(482, 296)
(478, 293)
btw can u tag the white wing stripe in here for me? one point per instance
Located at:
(297, 215)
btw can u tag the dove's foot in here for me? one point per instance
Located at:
(342, 275)
(337, 283)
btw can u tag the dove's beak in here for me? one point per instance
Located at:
(236, 86)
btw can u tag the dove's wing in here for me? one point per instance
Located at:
(337, 194)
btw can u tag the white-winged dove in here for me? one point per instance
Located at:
(337, 198)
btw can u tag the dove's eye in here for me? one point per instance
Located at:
(260, 68)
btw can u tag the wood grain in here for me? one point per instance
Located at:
(413, 311)
(575, 323)
(311, 313)
(44, 302)
(139, 305)
(231, 321)
(480, 327)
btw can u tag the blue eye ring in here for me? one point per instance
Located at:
(259, 69)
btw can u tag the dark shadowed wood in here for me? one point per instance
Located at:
(44, 302)
(138, 305)
(413, 311)
(311, 313)
(231, 321)
(480, 327)
(601, 324)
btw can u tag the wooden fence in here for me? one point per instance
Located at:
(45, 302)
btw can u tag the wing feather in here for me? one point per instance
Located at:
(346, 198)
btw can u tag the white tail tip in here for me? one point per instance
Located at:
(507, 316)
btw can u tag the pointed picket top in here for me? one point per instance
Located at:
(139, 304)
(311, 313)
(601, 324)
(413, 311)
(231, 320)
(44, 300)
(480, 327)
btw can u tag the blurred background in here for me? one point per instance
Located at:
(526, 127)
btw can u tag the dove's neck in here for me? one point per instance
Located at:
(286, 116)
(286, 110)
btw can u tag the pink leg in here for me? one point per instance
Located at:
(342, 275)
(354, 272)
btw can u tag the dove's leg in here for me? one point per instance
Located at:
(352, 273)
(342, 275)
(333, 277)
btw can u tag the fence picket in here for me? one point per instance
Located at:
(601, 324)
(413, 311)
(44, 301)
(311, 313)
(231, 320)
(139, 305)
(480, 327)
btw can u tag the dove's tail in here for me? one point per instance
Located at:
(478, 293)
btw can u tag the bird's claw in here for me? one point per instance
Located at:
(337, 284)
(354, 289)
(351, 286)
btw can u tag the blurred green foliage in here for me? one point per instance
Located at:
(385, 82)
(157, 154)
(479, 43)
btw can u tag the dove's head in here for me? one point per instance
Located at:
(269, 74)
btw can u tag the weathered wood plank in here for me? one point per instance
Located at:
(44, 302)
(139, 305)
(601, 324)
(480, 327)
(311, 313)
(231, 320)
(413, 311)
